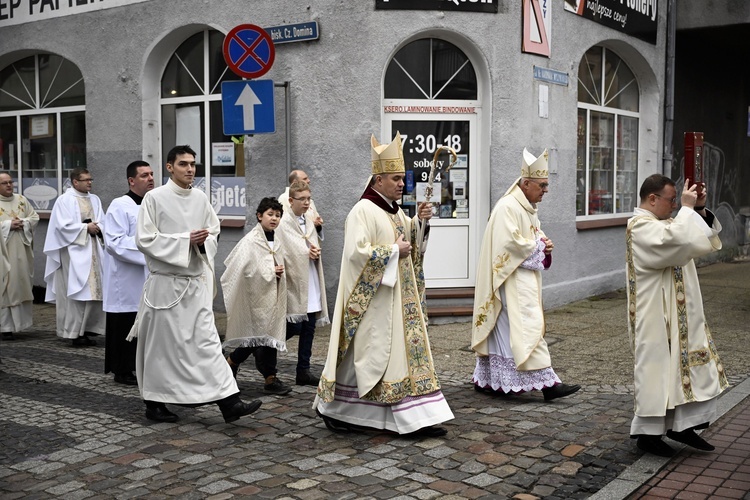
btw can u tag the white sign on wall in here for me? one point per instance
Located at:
(27, 11)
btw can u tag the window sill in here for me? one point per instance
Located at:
(239, 223)
(583, 225)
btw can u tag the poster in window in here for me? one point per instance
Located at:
(188, 122)
(222, 154)
(41, 127)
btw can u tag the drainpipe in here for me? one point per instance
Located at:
(668, 157)
(288, 124)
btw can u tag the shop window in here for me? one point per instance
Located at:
(608, 116)
(432, 73)
(191, 114)
(42, 126)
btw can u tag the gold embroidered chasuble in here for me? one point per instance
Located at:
(254, 297)
(297, 268)
(17, 256)
(386, 327)
(676, 361)
(509, 239)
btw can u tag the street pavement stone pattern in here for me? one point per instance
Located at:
(725, 473)
(67, 430)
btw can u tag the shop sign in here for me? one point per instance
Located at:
(460, 5)
(636, 18)
(26, 11)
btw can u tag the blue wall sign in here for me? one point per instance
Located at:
(293, 32)
(551, 76)
(248, 107)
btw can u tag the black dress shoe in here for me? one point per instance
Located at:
(161, 414)
(127, 379)
(88, 340)
(430, 431)
(79, 342)
(307, 378)
(690, 438)
(559, 391)
(240, 409)
(338, 426)
(8, 336)
(654, 445)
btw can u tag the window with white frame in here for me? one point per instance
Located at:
(42, 125)
(608, 115)
(433, 73)
(190, 102)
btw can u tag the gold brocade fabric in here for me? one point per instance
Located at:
(95, 277)
(417, 377)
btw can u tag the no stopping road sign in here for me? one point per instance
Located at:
(249, 51)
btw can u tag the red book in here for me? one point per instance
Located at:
(694, 159)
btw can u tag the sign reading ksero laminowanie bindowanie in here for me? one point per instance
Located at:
(249, 51)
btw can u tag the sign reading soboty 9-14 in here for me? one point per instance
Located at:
(249, 51)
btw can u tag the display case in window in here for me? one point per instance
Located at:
(627, 163)
(601, 162)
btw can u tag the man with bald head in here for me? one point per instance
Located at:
(17, 223)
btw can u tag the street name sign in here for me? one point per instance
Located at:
(301, 32)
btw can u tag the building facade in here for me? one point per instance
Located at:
(100, 84)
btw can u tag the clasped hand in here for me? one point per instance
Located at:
(198, 236)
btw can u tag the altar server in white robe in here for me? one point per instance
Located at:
(179, 358)
(125, 270)
(307, 306)
(508, 326)
(17, 223)
(678, 373)
(301, 175)
(74, 248)
(254, 285)
(379, 373)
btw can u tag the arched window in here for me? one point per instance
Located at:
(191, 114)
(42, 125)
(608, 115)
(430, 68)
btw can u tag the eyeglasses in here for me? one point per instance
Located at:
(543, 185)
(90, 179)
(670, 200)
(303, 200)
(7, 183)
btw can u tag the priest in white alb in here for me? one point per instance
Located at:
(74, 273)
(678, 373)
(508, 325)
(179, 358)
(17, 223)
(379, 373)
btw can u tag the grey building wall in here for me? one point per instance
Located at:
(335, 87)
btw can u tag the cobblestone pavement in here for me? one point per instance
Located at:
(67, 430)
